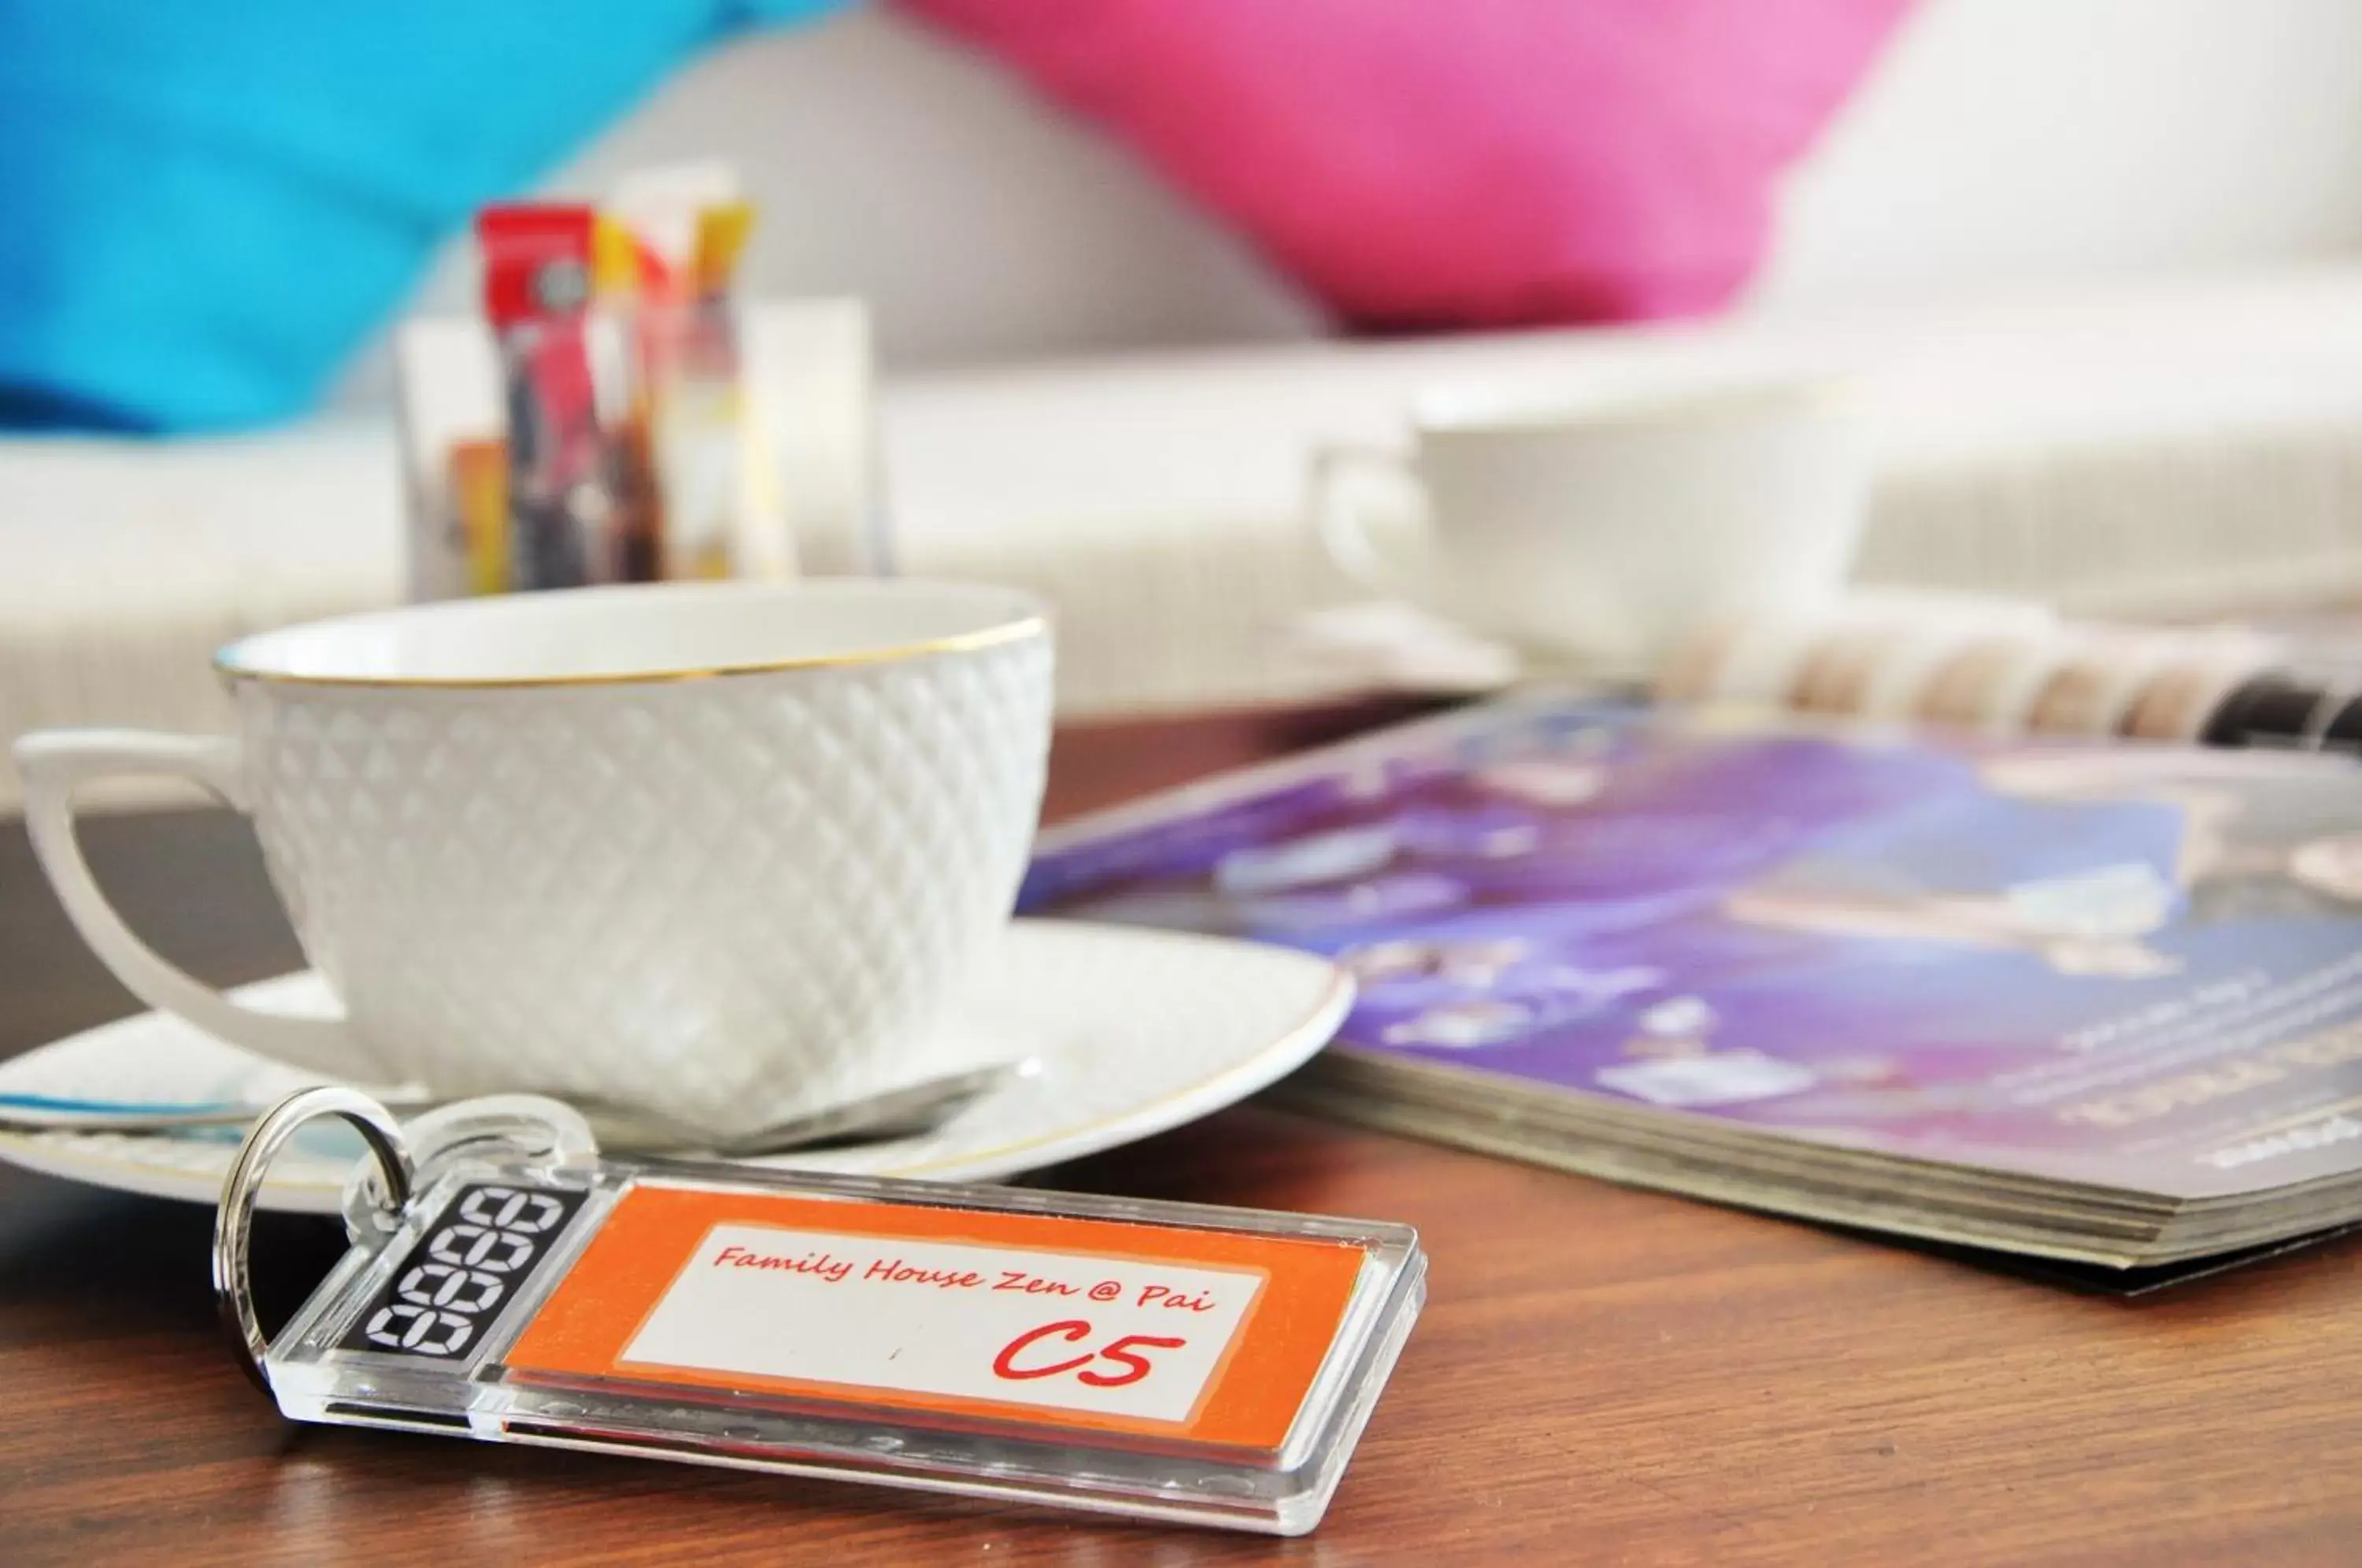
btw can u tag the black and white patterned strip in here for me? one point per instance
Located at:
(470, 1263)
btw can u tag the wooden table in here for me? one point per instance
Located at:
(1601, 1375)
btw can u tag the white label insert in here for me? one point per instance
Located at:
(1125, 1337)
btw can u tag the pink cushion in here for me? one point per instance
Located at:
(1432, 163)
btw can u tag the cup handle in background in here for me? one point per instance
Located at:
(1395, 562)
(53, 762)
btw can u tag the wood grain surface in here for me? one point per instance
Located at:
(1601, 1375)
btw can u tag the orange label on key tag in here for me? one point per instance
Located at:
(1045, 1321)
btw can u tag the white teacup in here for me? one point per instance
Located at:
(718, 851)
(1600, 533)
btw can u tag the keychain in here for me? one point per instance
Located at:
(506, 1283)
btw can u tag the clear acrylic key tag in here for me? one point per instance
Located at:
(507, 1283)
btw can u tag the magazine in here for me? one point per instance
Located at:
(2091, 1002)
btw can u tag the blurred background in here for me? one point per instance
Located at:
(1996, 147)
(1115, 275)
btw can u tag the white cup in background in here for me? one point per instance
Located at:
(717, 851)
(1598, 533)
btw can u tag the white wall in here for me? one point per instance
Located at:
(2002, 146)
(2019, 145)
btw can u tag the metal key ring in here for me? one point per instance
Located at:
(234, 1222)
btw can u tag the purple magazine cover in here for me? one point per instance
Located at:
(2139, 966)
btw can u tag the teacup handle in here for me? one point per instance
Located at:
(1396, 562)
(53, 763)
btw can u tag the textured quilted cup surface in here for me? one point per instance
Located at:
(718, 899)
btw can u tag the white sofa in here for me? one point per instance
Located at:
(2188, 438)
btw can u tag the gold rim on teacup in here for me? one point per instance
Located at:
(1029, 621)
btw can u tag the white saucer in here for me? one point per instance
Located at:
(1136, 1031)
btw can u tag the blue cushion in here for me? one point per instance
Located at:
(206, 207)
